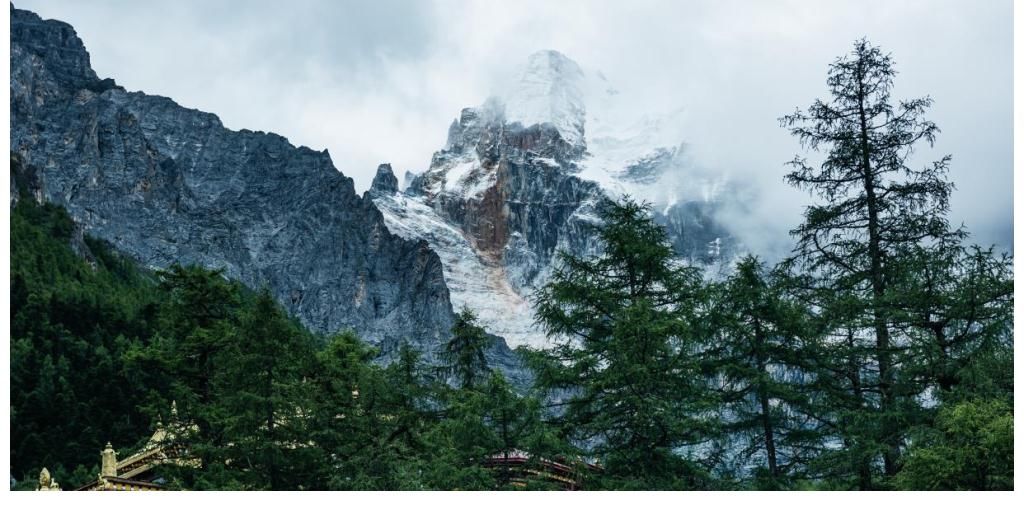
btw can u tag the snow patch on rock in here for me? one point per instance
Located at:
(473, 281)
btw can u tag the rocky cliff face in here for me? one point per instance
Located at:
(169, 184)
(496, 206)
(518, 182)
(506, 187)
(384, 181)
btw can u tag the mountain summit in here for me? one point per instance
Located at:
(550, 89)
(518, 181)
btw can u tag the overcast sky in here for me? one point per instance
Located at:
(381, 81)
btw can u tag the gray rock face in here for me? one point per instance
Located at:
(56, 44)
(167, 184)
(519, 203)
(384, 182)
(696, 234)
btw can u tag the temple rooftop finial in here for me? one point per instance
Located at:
(108, 461)
(47, 483)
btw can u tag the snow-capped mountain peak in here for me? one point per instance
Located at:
(518, 183)
(549, 90)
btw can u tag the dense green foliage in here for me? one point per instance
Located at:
(762, 352)
(72, 323)
(463, 355)
(904, 305)
(637, 395)
(878, 356)
(968, 447)
(101, 351)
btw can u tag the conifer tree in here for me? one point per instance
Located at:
(627, 352)
(195, 324)
(762, 355)
(956, 305)
(363, 420)
(875, 209)
(262, 398)
(463, 355)
(516, 425)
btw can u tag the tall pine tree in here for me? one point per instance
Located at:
(262, 399)
(875, 209)
(463, 356)
(627, 353)
(763, 356)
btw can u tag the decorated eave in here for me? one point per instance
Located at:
(118, 475)
(120, 484)
(528, 467)
(130, 474)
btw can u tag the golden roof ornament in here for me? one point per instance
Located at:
(47, 483)
(108, 462)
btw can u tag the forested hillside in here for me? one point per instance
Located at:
(101, 348)
(755, 399)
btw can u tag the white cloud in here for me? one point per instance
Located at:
(382, 81)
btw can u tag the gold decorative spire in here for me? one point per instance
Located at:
(46, 483)
(108, 462)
